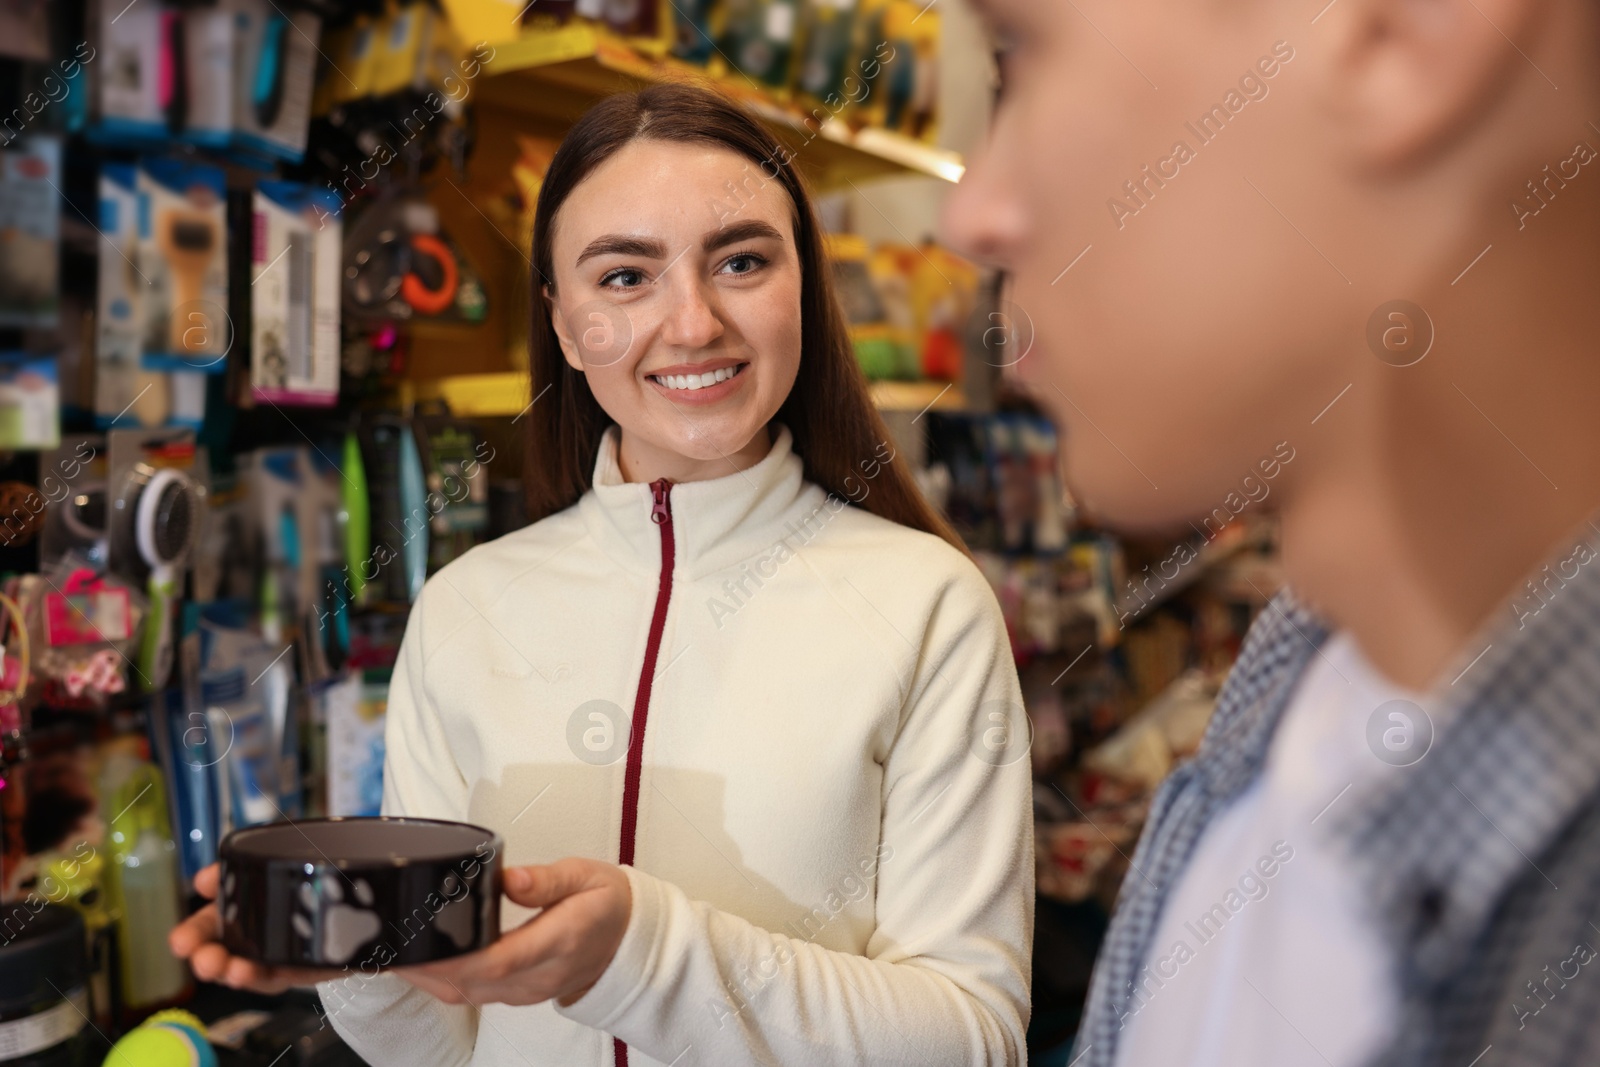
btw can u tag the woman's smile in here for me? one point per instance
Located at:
(699, 383)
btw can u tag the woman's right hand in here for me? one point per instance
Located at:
(197, 939)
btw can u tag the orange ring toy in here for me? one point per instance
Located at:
(416, 293)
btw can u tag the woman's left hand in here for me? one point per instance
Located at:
(559, 953)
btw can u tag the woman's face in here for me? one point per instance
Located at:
(677, 294)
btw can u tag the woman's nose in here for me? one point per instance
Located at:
(694, 316)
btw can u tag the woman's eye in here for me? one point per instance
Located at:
(744, 263)
(624, 278)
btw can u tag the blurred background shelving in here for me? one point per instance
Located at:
(436, 119)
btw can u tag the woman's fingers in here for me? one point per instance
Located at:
(205, 882)
(198, 929)
(543, 885)
(195, 939)
(209, 962)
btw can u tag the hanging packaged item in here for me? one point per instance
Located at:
(399, 264)
(30, 401)
(251, 734)
(294, 295)
(182, 254)
(30, 233)
(398, 563)
(129, 98)
(123, 389)
(281, 511)
(354, 710)
(275, 68)
(200, 107)
(453, 457)
(350, 50)
(72, 492)
(157, 508)
(88, 609)
(88, 627)
(25, 33)
(325, 621)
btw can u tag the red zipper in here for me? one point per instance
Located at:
(661, 515)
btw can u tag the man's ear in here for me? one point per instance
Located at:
(569, 348)
(1408, 77)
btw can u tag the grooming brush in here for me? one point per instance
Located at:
(189, 241)
(166, 517)
(266, 95)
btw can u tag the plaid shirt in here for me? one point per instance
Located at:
(1481, 863)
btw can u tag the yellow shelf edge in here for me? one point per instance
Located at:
(584, 42)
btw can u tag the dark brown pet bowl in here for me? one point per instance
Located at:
(359, 892)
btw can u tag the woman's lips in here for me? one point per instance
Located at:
(687, 388)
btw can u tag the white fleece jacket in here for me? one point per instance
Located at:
(833, 849)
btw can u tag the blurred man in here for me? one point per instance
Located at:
(1365, 234)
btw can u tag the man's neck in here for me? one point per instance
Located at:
(1440, 489)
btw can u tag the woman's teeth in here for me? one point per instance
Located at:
(697, 381)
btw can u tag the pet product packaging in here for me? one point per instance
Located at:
(294, 301)
(72, 492)
(457, 500)
(123, 389)
(210, 54)
(186, 331)
(129, 70)
(157, 515)
(30, 233)
(354, 711)
(30, 401)
(275, 66)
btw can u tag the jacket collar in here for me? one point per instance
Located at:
(1436, 852)
(717, 522)
(1519, 759)
(1437, 848)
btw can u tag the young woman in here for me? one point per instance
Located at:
(738, 702)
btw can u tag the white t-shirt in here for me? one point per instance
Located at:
(1264, 956)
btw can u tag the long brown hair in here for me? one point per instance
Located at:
(836, 429)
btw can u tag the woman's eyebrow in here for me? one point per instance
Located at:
(738, 231)
(623, 245)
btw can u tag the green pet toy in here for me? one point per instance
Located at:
(166, 1039)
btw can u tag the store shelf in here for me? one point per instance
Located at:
(502, 393)
(557, 74)
(505, 393)
(1233, 539)
(917, 396)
